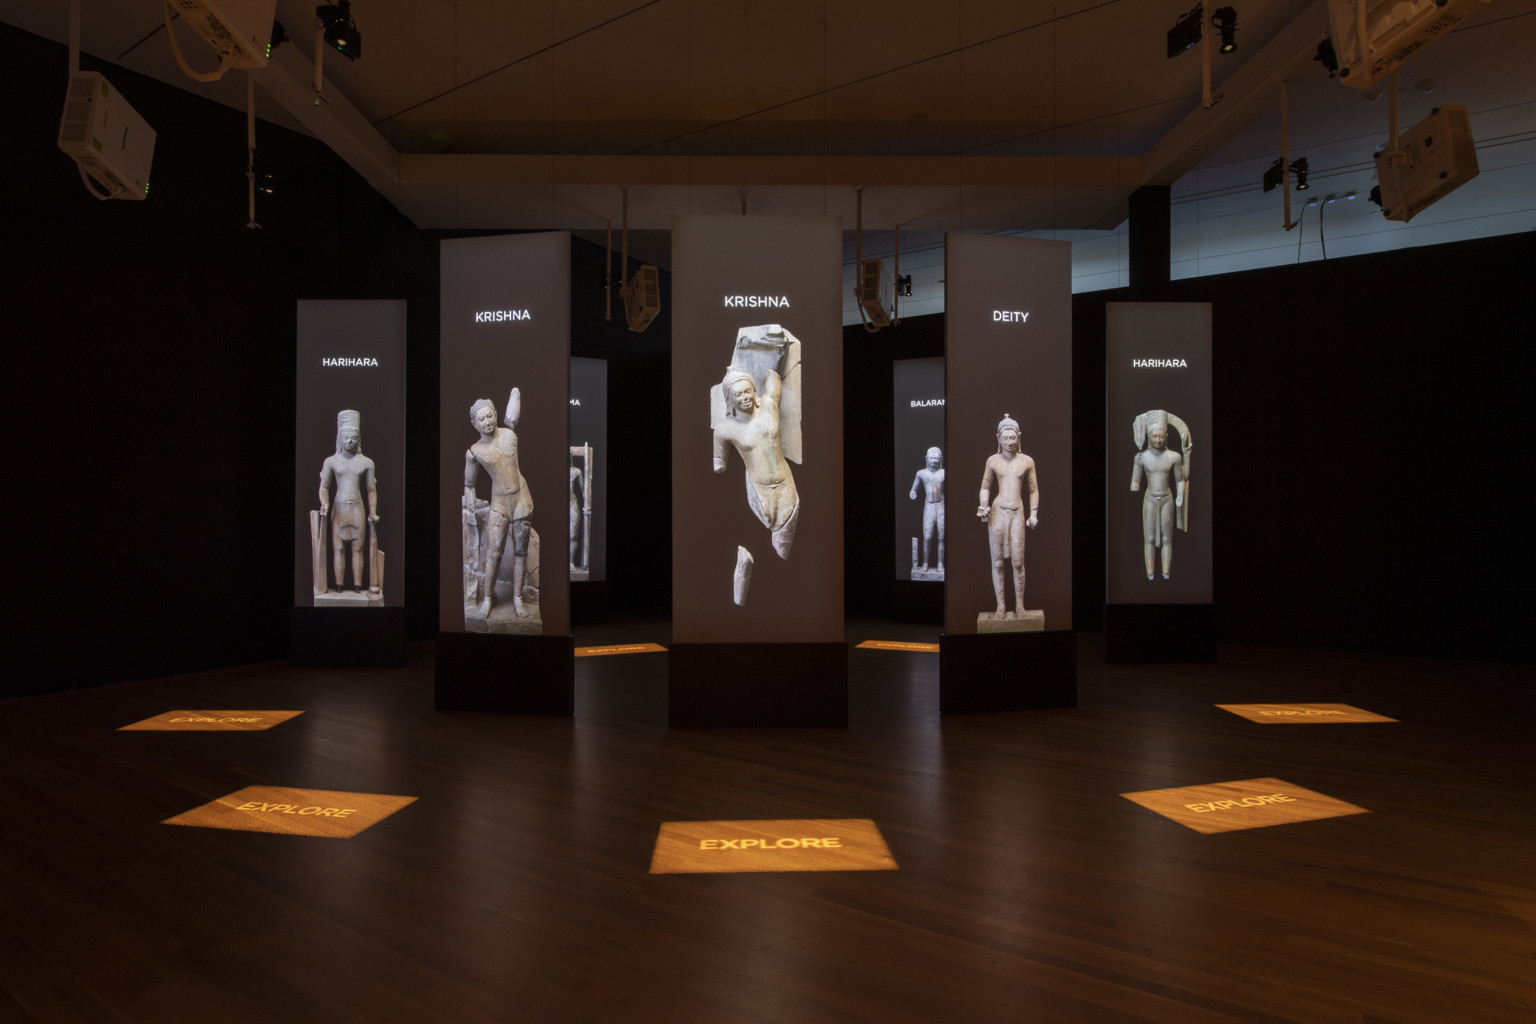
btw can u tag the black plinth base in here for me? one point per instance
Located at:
(1159, 632)
(918, 601)
(589, 602)
(347, 637)
(524, 675)
(1007, 671)
(757, 685)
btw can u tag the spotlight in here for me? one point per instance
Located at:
(341, 32)
(1327, 56)
(1224, 20)
(279, 37)
(904, 286)
(1299, 168)
(261, 174)
(1274, 175)
(1186, 32)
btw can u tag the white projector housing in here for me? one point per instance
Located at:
(107, 138)
(877, 291)
(1394, 31)
(1434, 158)
(642, 298)
(239, 31)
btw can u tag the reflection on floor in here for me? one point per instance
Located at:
(517, 886)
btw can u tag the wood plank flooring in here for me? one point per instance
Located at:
(516, 888)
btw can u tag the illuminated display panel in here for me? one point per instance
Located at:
(774, 281)
(211, 721)
(917, 389)
(300, 812)
(1159, 375)
(899, 645)
(1008, 352)
(505, 324)
(1299, 714)
(350, 359)
(589, 444)
(1247, 803)
(729, 847)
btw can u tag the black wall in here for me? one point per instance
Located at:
(1372, 413)
(1372, 457)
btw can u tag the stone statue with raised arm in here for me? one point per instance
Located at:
(349, 505)
(755, 409)
(1016, 506)
(1165, 475)
(489, 586)
(930, 481)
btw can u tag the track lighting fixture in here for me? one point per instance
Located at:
(1276, 173)
(341, 32)
(1224, 20)
(1299, 168)
(904, 286)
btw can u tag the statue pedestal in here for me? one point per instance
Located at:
(757, 686)
(349, 599)
(1010, 671)
(526, 675)
(504, 620)
(1159, 632)
(1029, 622)
(928, 574)
(338, 636)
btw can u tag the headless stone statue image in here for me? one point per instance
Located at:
(580, 494)
(348, 519)
(929, 484)
(501, 548)
(755, 409)
(1165, 476)
(1015, 507)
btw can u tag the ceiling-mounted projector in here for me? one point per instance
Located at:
(1392, 32)
(240, 31)
(1433, 159)
(877, 294)
(108, 139)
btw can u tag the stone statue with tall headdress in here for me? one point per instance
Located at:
(348, 517)
(1165, 475)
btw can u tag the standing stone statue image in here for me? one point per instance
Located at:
(580, 494)
(348, 515)
(1165, 475)
(500, 578)
(930, 481)
(756, 410)
(1013, 474)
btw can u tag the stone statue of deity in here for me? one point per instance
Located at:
(1165, 475)
(1015, 507)
(930, 481)
(348, 517)
(755, 409)
(580, 512)
(500, 578)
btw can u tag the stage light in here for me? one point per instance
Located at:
(1186, 32)
(1224, 20)
(279, 37)
(261, 174)
(1299, 168)
(341, 32)
(904, 286)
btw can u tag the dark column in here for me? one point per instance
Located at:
(1150, 241)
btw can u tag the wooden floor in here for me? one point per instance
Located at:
(516, 887)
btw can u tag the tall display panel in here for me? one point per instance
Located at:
(757, 482)
(1159, 435)
(1008, 579)
(504, 453)
(349, 483)
(587, 500)
(918, 498)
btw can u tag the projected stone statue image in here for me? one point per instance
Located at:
(1015, 507)
(348, 517)
(755, 409)
(1165, 476)
(501, 548)
(930, 483)
(580, 494)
